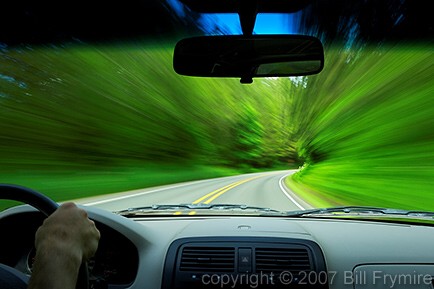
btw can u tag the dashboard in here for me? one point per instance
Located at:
(239, 251)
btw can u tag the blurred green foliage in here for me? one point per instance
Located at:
(100, 109)
(367, 129)
(101, 106)
(364, 127)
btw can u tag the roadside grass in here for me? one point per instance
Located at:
(308, 194)
(397, 188)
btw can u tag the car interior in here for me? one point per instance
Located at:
(212, 244)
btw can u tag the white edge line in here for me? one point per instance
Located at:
(286, 193)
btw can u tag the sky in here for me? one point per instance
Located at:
(228, 23)
(266, 23)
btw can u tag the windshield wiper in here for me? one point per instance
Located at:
(200, 206)
(333, 211)
(241, 207)
(360, 210)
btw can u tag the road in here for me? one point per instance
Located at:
(256, 189)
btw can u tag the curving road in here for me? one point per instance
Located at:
(257, 189)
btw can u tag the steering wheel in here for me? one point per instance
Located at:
(46, 206)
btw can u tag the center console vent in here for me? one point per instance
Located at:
(244, 262)
(207, 259)
(294, 260)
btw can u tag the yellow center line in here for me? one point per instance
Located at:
(210, 194)
(215, 194)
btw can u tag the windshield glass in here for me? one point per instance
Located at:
(110, 124)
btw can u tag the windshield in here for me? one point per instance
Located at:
(110, 124)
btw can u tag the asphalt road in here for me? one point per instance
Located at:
(257, 189)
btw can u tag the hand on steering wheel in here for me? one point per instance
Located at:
(46, 206)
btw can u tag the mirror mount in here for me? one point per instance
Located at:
(246, 80)
(247, 11)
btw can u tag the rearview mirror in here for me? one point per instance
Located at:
(247, 57)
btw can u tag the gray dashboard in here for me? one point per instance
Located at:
(356, 254)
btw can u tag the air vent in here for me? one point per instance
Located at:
(192, 261)
(293, 260)
(208, 259)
